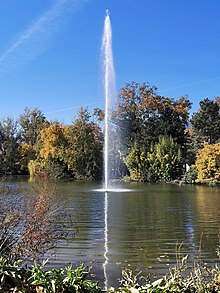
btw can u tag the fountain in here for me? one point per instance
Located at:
(110, 98)
(109, 89)
(110, 95)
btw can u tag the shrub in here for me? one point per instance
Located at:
(165, 159)
(190, 175)
(180, 278)
(162, 162)
(208, 164)
(62, 280)
(13, 278)
(30, 226)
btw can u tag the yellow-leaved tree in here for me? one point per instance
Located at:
(69, 151)
(208, 164)
(51, 152)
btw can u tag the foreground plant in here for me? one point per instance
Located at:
(11, 274)
(14, 278)
(32, 225)
(181, 278)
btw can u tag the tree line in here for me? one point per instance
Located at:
(154, 140)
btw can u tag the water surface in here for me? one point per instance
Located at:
(145, 226)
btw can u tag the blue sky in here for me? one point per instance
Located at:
(50, 51)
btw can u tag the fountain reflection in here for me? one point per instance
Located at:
(106, 241)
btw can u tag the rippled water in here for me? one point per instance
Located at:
(145, 226)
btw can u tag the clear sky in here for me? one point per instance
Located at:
(50, 51)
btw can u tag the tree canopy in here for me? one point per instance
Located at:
(74, 150)
(9, 137)
(142, 115)
(206, 122)
(151, 139)
(208, 164)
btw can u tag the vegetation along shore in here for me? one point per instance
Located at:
(157, 141)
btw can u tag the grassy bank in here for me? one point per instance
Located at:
(180, 278)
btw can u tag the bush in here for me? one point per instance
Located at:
(162, 162)
(190, 175)
(180, 278)
(61, 280)
(13, 278)
(30, 226)
(208, 164)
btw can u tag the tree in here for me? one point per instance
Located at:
(51, 148)
(136, 162)
(85, 144)
(142, 116)
(116, 166)
(130, 115)
(162, 162)
(31, 122)
(74, 150)
(99, 114)
(26, 154)
(206, 122)
(53, 142)
(217, 100)
(208, 164)
(9, 136)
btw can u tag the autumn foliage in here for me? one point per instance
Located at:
(32, 225)
(152, 139)
(208, 164)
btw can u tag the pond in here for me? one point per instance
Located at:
(145, 226)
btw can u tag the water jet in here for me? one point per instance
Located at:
(109, 90)
(110, 95)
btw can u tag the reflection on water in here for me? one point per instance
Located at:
(105, 264)
(144, 227)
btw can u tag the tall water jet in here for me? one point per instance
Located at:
(109, 90)
(110, 93)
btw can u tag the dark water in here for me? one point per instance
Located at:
(145, 226)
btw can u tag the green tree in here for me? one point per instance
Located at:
(206, 122)
(9, 137)
(130, 114)
(85, 144)
(99, 114)
(136, 162)
(116, 165)
(74, 150)
(142, 116)
(164, 160)
(31, 122)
